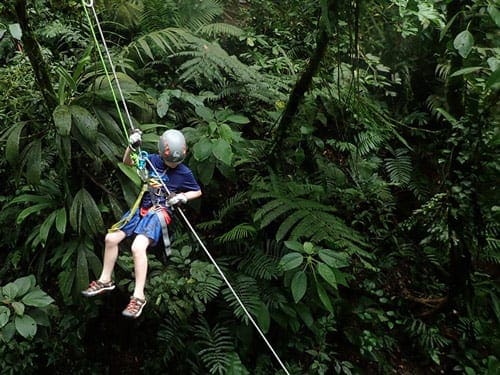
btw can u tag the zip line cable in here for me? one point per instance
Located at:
(90, 4)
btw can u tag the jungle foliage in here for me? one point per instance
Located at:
(349, 158)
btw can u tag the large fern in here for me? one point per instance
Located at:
(297, 211)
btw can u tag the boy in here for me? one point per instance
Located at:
(148, 222)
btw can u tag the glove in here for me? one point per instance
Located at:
(135, 139)
(176, 199)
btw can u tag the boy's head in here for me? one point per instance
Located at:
(172, 147)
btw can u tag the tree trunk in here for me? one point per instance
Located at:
(34, 54)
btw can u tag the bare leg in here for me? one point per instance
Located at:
(110, 254)
(139, 247)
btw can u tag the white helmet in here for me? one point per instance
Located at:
(172, 146)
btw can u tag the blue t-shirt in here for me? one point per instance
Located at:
(178, 180)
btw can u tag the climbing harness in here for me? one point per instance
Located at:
(141, 161)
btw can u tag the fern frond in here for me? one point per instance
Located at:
(399, 168)
(215, 29)
(260, 264)
(216, 345)
(239, 232)
(248, 291)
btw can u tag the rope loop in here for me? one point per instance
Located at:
(90, 4)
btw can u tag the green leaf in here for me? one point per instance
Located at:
(308, 248)
(26, 326)
(62, 120)
(85, 122)
(465, 71)
(4, 315)
(494, 80)
(33, 162)
(24, 284)
(46, 226)
(37, 298)
(41, 317)
(202, 149)
(494, 14)
(222, 151)
(324, 298)
(8, 332)
(291, 260)
(299, 285)
(13, 143)
(130, 172)
(327, 274)
(333, 258)
(37, 208)
(82, 269)
(61, 220)
(238, 119)
(463, 43)
(294, 245)
(263, 317)
(305, 314)
(10, 291)
(18, 308)
(16, 31)
(205, 113)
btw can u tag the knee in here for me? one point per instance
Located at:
(138, 249)
(112, 239)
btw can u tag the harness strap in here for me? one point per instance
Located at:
(120, 224)
(164, 230)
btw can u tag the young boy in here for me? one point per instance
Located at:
(148, 223)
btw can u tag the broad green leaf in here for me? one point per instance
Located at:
(238, 119)
(26, 326)
(10, 291)
(263, 317)
(24, 284)
(62, 120)
(324, 298)
(291, 260)
(494, 14)
(463, 43)
(12, 145)
(294, 245)
(327, 274)
(88, 206)
(4, 315)
(41, 317)
(305, 314)
(494, 80)
(205, 113)
(464, 71)
(202, 149)
(37, 208)
(227, 133)
(33, 162)
(61, 220)
(130, 172)
(15, 31)
(308, 247)
(205, 171)
(8, 332)
(334, 258)
(18, 308)
(299, 285)
(85, 122)
(163, 104)
(37, 298)
(46, 225)
(82, 269)
(222, 151)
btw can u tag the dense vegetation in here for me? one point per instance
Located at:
(348, 153)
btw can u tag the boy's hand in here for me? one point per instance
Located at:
(135, 138)
(176, 199)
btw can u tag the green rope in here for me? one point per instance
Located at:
(122, 121)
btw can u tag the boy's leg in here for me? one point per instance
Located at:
(112, 240)
(139, 247)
